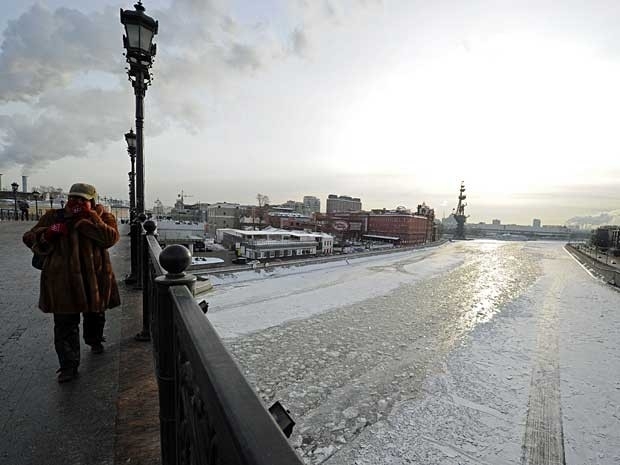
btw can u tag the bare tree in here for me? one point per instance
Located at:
(263, 200)
(263, 203)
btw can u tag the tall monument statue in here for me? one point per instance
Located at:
(459, 214)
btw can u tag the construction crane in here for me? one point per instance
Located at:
(182, 196)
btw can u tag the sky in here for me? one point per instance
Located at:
(395, 102)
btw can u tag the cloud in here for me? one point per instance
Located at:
(243, 57)
(65, 127)
(299, 42)
(43, 49)
(65, 68)
(46, 55)
(601, 219)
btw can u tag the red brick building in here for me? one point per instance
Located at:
(405, 227)
(409, 228)
(343, 226)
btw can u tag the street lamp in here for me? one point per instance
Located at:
(140, 50)
(36, 195)
(130, 137)
(139, 53)
(15, 186)
(134, 230)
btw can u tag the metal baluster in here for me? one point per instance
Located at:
(174, 259)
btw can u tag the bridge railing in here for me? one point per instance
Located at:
(610, 273)
(209, 414)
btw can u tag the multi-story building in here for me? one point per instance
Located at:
(400, 224)
(343, 203)
(343, 226)
(606, 237)
(286, 219)
(184, 212)
(187, 233)
(223, 215)
(292, 205)
(615, 240)
(536, 223)
(311, 204)
(432, 233)
(159, 209)
(275, 243)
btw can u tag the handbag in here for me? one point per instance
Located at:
(38, 260)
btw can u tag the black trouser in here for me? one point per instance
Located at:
(67, 335)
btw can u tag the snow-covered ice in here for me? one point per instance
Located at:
(475, 352)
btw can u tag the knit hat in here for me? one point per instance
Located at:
(86, 191)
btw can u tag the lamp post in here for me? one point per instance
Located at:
(15, 186)
(36, 195)
(139, 53)
(130, 137)
(140, 50)
(134, 229)
(132, 196)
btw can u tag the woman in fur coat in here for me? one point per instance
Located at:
(77, 276)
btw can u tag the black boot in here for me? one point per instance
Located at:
(67, 374)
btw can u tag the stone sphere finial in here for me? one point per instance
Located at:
(175, 259)
(149, 226)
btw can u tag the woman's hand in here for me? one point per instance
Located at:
(55, 231)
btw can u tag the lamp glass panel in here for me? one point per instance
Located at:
(146, 35)
(133, 35)
(131, 140)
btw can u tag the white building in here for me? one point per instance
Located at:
(276, 243)
(186, 233)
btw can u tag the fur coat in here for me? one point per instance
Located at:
(77, 274)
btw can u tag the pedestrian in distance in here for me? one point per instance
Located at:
(76, 275)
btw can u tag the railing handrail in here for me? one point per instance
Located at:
(609, 272)
(154, 250)
(209, 413)
(256, 435)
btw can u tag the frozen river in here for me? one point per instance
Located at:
(476, 352)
